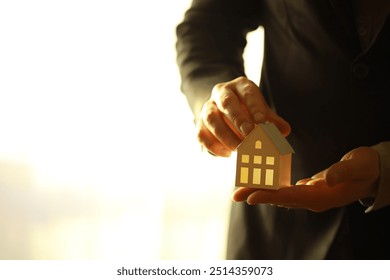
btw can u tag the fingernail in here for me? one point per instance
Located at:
(318, 175)
(250, 202)
(235, 199)
(246, 128)
(224, 152)
(259, 117)
(301, 182)
(313, 182)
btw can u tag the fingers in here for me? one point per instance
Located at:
(347, 181)
(312, 197)
(250, 95)
(339, 172)
(228, 102)
(258, 108)
(242, 193)
(361, 164)
(244, 105)
(214, 127)
(211, 143)
(231, 114)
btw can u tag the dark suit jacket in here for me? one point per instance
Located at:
(334, 94)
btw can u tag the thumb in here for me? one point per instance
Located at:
(339, 172)
(359, 164)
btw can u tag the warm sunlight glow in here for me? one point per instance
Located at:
(98, 152)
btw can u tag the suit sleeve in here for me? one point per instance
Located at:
(210, 43)
(382, 198)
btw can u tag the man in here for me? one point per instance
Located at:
(325, 85)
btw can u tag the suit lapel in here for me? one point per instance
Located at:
(343, 10)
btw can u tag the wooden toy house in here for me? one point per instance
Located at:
(264, 159)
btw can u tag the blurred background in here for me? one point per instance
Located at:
(98, 152)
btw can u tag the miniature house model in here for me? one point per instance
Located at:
(264, 159)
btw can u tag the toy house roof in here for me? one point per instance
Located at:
(274, 135)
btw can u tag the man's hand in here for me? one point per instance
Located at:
(231, 113)
(353, 178)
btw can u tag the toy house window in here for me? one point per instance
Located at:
(244, 175)
(257, 159)
(269, 177)
(258, 144)
(256, 176)
(245, 158)
(270, 160)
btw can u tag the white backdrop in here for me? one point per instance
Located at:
(98, 154)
